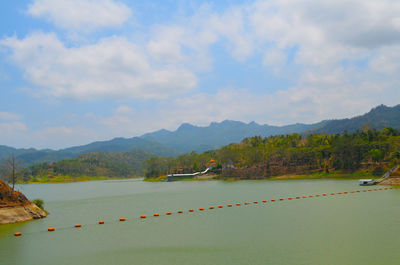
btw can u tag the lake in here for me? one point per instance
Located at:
(353, 228)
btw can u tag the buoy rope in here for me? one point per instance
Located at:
(219, 206)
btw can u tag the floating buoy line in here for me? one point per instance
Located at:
(122, 219)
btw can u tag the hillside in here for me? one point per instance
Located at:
(378, 118)
(189, 137)
(110, 165)
(366, 153)
(34, 156)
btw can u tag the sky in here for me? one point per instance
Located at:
(78, 71)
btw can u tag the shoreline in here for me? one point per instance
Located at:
(21, 213)
(69, 179)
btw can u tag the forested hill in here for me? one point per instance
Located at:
(194, 138)
(189, 138)
(33, 156)
(369, 152)
(111, 165)
(378, 118)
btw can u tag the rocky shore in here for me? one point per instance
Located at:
(15, 207)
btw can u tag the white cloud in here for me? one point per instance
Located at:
(81, 15)
(11, 132)
(345, 55)
(112, 67)
(56, 137)
(7, 116)
(387, 60)
(10, 127)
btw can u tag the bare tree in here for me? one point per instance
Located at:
(10, 169)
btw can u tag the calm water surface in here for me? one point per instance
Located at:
(360, 228)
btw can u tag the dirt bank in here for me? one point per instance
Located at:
(15, 207)
(391, 181)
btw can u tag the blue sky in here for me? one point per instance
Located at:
(73, 72)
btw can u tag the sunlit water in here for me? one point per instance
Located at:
(359, 228)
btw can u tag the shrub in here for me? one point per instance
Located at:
(39, 203)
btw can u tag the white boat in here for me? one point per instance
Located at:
(367, 182)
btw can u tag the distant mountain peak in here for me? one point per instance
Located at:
(185, 126)
(189, 137)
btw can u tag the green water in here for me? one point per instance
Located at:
(359, 228)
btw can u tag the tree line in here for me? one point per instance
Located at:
(370, 151)
(367, 151)
(111, 165)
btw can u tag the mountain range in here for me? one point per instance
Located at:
(189, 137)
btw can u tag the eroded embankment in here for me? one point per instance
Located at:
(15, 207)
(391, 181)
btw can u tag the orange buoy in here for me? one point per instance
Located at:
(317, 195)
(281, 199)
(339, 193)
(168, 213)
(246, 203)
(272, 200)
(78, 225)
(345, 192)
(386, 188)
(332, 193)
(191, 210)
(143, 216)
(220, 206)
(101, 222)
(255, 202)
(310, 196)
(201, 209)
(358, 191)
(18, 234)
(323, 194)
(290, 198)
(50, 229)
(304, 197)
(264, 201)
(391, 188)
(380, 189)
(156, 214)
(211, 207)
(180, 211)
(297, 197)
(237, 204)
(369, 190)
(364, 190)
(122, 219)
(229, 205)
(352, 191)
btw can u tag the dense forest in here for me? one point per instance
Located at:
(110, 165)
(368, 151)
(365, 152)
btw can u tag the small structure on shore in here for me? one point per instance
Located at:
(367, 182)
(172, 177)
(383, 180)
